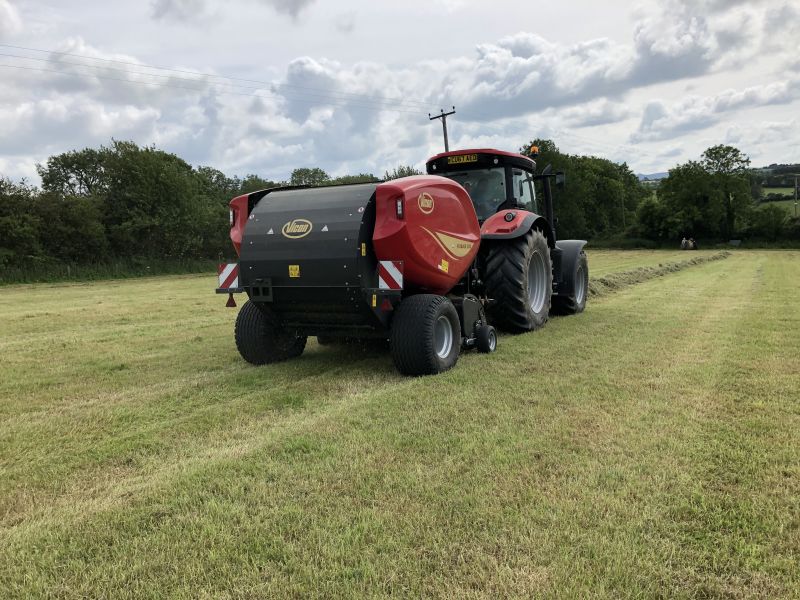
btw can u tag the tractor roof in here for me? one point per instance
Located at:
(476, 158)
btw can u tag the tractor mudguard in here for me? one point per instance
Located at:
(502, 227)
(565, 258)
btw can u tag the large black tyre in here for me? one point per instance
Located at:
(425, 336)
(260, 339)
(519, 278)
(572, 305)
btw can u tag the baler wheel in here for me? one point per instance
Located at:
(486, 339)
(575, 304)
(519, 278)
(425, 336)
(259, 338)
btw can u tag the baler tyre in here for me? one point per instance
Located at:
(519, 278)
(259, 338)
(575, 304)
(486, 339)
(425, 335)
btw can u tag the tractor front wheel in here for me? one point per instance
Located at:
(261, 340)
(519, 280)
(425, 336)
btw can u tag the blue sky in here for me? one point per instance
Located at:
(347, 85)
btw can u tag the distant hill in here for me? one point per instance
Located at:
(652, 176)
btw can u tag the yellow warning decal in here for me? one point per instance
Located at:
(444, 266)
(462, 158)
(294, 270)
(374, 300)
(363, 249)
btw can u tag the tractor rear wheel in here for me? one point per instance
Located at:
(519, 279)
(261, 340)
(425, 336)
(575, 304)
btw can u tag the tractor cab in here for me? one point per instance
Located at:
(494, 179)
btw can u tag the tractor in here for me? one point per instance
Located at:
(432, 263)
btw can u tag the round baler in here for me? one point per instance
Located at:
(409, 260)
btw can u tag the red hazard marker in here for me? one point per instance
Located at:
(228, 276)
(390, 274)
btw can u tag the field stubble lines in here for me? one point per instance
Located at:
(200, 450)
(242, 440)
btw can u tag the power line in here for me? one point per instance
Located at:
(197, 89)
(364, 97)
(175, 78)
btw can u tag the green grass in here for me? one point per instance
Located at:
(787, 205)
(605, 262)
(648, 447)
(784, 191)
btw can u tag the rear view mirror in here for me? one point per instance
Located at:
(561, 179)
(521, 188)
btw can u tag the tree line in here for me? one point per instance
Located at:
(715, 198)
(128, 203)
(125, 202)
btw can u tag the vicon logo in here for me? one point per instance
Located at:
(297, 228)
(425, 202)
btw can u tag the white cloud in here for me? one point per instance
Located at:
(660, 121)
(587, 92)
(10, 21)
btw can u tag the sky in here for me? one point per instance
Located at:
(266, 86)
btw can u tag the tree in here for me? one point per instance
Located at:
(254, 183)
(19, 225)
(600, 198)
(75, 173)
(360, 178)
(401, 171)
(71, 228)
(728, 166)
(309, 176)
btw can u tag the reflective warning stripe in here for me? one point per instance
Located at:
(390, 275)
(228, 275)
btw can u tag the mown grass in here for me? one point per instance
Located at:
(605, 262)
(648, 447)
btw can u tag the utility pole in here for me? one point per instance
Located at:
(443, 116)
(795, 195)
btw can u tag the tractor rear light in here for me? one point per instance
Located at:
(399, 207)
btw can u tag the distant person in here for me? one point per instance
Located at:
(684, 244)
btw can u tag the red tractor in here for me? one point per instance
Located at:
(429, 262)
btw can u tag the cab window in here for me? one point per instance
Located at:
(523, 190)
(486, 188)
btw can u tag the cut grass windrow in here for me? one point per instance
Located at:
(600, 286)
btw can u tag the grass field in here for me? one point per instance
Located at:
(784, 191)
(605, 262)
(648, 447)
(787, 205)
